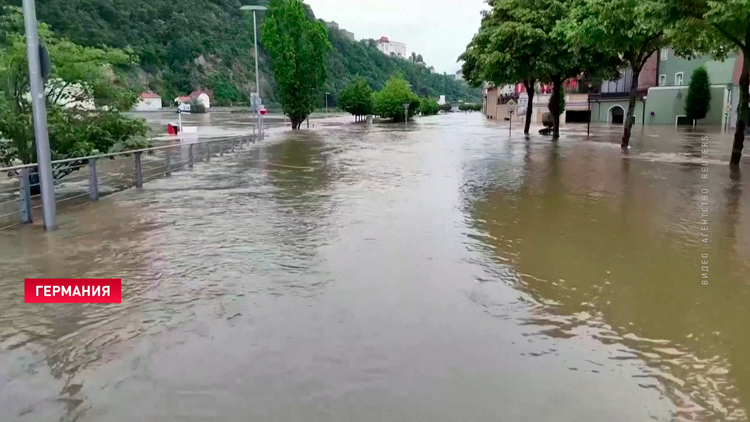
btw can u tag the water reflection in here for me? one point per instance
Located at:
(615, 256)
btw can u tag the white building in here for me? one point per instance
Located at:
(148, 102)
(389, 47)
(442, 101)
(183, 103)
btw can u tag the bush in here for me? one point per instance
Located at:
(389, 102)
(698, 101)
(428, 106)
(447, 107)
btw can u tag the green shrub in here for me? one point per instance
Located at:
(698, 101)
(428, 106)
(389, 102)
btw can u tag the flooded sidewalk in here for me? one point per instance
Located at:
(435, 271)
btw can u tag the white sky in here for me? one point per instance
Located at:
(437, 29)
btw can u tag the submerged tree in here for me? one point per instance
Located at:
(698, 100)
(389, 102)
(629, 30)
(297, 46)
(356, 98)
(718, 27)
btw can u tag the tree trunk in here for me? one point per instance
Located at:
(529, 85)
(631, 108)
(554, 105)
(296, 122)
(743, 111)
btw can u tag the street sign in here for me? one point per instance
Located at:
(255, 102)
(728, 107)
(511, 103)
(263, 111)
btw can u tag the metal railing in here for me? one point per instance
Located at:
(20, 199)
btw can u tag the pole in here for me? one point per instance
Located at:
(257, 74)
(588, 123)
(326, 103)
(40, 115)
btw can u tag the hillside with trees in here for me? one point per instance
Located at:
(190, 44)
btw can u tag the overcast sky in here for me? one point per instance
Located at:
(437, 29)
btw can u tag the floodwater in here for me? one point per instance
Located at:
(439, 272)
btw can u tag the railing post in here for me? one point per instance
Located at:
(208, 153)
(169, 163)
(25, 191)
(93, 181)
(190, 156)
(138, 170)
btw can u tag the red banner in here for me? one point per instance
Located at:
(73, 290)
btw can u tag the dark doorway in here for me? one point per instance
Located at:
(617, 115)
(577, 116)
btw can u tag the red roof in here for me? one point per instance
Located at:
(384, 39)
(149, 95)
(184, 99)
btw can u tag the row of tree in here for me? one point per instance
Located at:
(360, 100)
(532, 41)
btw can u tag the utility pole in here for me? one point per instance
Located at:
(327, 93)
(36, 85)
(588, 122)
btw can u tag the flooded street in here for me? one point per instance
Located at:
(440, 272)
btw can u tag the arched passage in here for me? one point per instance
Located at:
(616, 115)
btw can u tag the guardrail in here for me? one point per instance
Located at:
(108, 173)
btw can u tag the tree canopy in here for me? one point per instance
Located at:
(356, 98)
(82, 81)
(389, 102)
(296, 46)
(698, 100)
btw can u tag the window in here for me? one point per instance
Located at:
(678, 78)
(664, 53)
(662, 80)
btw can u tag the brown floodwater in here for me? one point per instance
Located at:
(442, 271)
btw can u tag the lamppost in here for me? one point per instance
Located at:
(256, 106)
(406, 114)
(39, 109)
(327, 94)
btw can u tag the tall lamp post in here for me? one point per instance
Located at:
(327, 94)
(39, 109)
(588, 122)
(256, 105)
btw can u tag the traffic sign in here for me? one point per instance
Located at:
(727, 107)
(511, 103)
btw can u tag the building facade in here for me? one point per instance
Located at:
(148, 101)
(389, 47)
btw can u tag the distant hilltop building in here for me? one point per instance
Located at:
(389, 47)
(459, 75)
(344, 32)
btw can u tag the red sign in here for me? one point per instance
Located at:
(263, 111)
(73, 290)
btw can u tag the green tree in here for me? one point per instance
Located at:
(356, 98)
(428, 106)
(296, 46)
(389, 102)
(698, 100)
(528, 40)
(718, 27)
(632, 30)
(81, 82)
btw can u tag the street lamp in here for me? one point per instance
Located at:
(327, 94)
(254, 9)
(406, 114)
(588, 123)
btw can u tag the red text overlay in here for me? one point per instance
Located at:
(73, 290)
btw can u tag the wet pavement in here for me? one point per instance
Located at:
(437, 272)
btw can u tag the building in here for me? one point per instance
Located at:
(184, 102)
(441, 100)
(459, 75)
(148, 101)
(389, 47)
(344, 32)
(662, 89)
(665, 103)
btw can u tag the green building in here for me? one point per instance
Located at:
(662, 89)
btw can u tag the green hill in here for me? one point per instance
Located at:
(189, 44)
